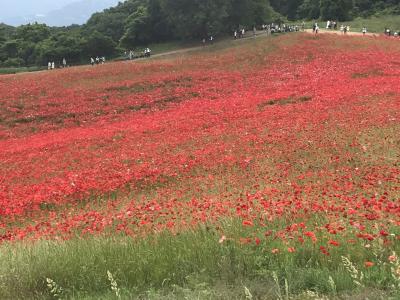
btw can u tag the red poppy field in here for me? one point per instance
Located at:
(284, 147)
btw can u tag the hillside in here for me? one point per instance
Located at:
(246, 169)
(135, 24)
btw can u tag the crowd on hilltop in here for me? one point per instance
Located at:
(132, 54)
(97, 60)
(389, 32)
(272, 28)
(344, 29)
(51, 65)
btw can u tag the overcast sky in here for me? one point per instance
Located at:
(51, 12)
(16, 8)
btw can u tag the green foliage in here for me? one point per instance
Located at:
(335, 10)
(13, 62)
(98, 44)
(136, 28)
(309, 9)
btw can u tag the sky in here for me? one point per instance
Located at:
(51, 12)
(17, 8)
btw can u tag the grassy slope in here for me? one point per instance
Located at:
(375, 24)
(190, 265)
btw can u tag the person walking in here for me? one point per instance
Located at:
(92, 61)
(64, 62)
(364, 30)
(53, 65)
(148, 52)
(235, 35)
(211, 40)
(316, 28)
(49, 65)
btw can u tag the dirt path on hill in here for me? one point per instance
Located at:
(338, 32)
(249, 36)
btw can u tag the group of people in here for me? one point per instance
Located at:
(130, 54)
(269, 29)
(389, 32)
(281, 28)
(333, 25)
(97, 60)
(238, 34)
(51, 64)
(346, 28)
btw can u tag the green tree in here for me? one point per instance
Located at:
(32, 32)
(309, 9)
(58, 46)
(336, 9)
(112, 21)
(196, 18)
(250, 12)
(98, 44)
(10, 49)
(137, 28)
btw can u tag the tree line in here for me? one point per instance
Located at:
(136, 23)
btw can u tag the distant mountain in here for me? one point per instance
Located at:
(66, 13)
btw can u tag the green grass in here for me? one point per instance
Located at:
(192, 264)
(15, 70)
(376, 24)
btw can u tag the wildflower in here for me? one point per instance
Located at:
(334, 243)
(291, 250)
(368, 264)
(222, 239)
(247, 223)
(392, 258)
(324, 250)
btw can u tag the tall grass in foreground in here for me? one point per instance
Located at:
(196, 264)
